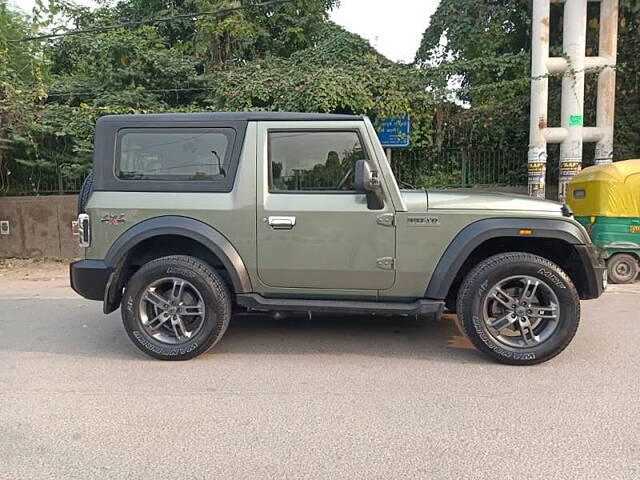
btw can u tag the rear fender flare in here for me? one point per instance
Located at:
(196, 230)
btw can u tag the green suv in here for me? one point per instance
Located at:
(187, 218)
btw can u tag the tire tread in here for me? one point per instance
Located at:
(217, 285)
(469, 287)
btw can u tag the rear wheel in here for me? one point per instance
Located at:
(175, 308)
(622, 268)
(518, 308)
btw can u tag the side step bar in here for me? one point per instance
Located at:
(257, 302)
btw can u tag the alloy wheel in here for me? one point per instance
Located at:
(172, 310)
(521, 312)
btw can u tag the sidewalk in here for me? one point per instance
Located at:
(35, 278)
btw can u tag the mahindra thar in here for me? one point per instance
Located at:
(189, 217)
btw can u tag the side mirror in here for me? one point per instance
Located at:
(367, 181)
(363, 176)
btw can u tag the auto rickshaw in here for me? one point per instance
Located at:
(606, 200)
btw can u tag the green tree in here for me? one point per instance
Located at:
(17, 66)
(483, 48)
(281, 57)
(627, 134)
(15, 59)
(341, 73)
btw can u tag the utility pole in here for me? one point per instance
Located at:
(608, 49)
(574, 43)
(573, 67)
(537, 158)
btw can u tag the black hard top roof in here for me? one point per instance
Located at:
(229, 117)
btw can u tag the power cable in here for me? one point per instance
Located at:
(192, 15)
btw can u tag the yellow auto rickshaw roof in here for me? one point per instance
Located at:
(611, 190)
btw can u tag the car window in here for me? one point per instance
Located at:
(168, 155)
(315, 161)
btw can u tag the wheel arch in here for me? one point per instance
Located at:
(551, 239)
(193, 231)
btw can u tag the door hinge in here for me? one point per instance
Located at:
(386, 220)
(386, 263)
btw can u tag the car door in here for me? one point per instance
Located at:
(313, 229)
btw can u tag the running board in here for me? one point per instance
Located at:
(257, 302)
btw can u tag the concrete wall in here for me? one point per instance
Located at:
(39, 226)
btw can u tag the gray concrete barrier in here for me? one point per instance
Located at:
(38, 226)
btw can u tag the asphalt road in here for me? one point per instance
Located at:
(324, 398)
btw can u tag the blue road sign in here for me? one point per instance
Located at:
(394, 132)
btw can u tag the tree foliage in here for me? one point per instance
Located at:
(15, 60)
(483, 47)
(468, 88)
(284, 57)
(341, 73)
(627, 133)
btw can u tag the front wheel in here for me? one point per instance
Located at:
(518, 308)
(175, 308)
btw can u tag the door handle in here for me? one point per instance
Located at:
(282, 223)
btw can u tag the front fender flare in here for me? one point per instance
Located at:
(196, 230)
(473, 235)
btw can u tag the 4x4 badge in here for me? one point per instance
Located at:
(110, 219)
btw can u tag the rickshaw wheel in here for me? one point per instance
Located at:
(623, 268)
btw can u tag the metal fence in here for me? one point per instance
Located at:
(461, 167)
(431, 168)
(34, 181)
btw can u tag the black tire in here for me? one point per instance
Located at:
(204, 281)
(622, 268)
(85, 192)
(551, 282)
